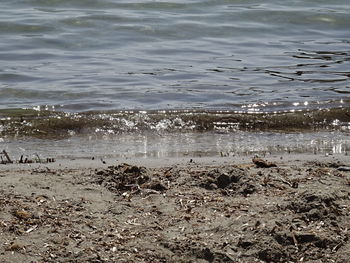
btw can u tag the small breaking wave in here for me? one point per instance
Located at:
(47, 123)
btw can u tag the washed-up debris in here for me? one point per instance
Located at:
(234, 180)
(14, 247)
(22, 214)
(5, 159)
(344, 168)
(336, 164)
(45, 170)
(260, 163)
(125, 177)
(183, 213)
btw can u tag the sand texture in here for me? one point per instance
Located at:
(232, 211)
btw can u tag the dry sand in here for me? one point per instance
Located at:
(177, 210)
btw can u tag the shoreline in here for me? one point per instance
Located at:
(93, 163)
(221, 209)
(175, 145)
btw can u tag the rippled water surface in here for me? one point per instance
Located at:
(79, 55)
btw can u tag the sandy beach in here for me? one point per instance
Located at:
(174, 131)
(284, 208)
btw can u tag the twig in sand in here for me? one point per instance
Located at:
(295, 240)
(37, 155)
(7, 157)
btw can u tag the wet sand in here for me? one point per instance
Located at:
(177, 210)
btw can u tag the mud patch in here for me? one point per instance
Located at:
(233, 181)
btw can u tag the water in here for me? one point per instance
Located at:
(79, 55)
(174, 78)
(184, 145)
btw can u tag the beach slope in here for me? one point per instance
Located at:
(274, 209)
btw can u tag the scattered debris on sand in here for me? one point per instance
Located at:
(290, 212)
(5, 159)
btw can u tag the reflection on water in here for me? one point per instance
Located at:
(322, 68)
(182, 145)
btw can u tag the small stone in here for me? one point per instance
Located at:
(14, 247)
(260, 163)
(21, 214)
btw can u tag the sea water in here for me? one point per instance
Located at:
(82, 55)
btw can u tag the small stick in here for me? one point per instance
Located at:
(37, 155)
(295, 240)
(7, 156)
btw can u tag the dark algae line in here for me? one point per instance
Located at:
(55, 124)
